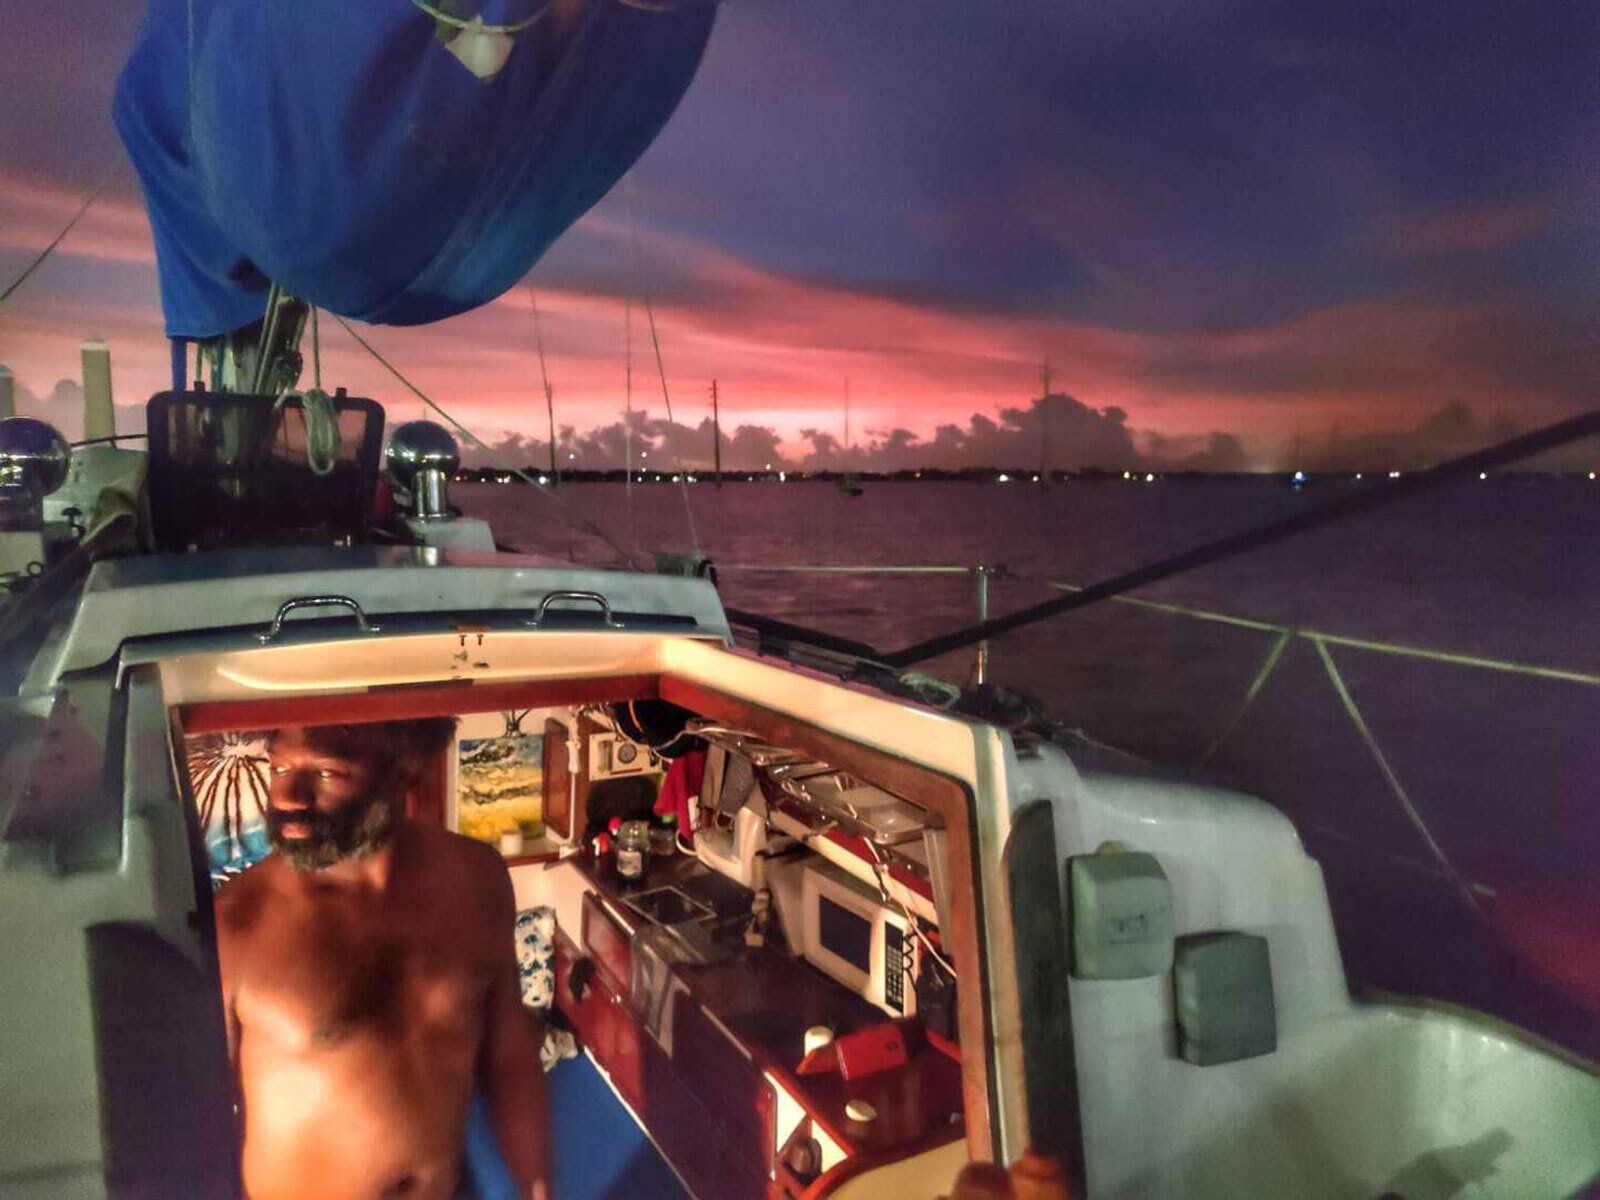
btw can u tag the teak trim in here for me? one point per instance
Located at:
(923, 786)
(405, 702)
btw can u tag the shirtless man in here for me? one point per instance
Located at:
(370, 983)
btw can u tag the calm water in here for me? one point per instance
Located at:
(1504, 769)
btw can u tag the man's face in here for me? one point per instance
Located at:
(322, 808)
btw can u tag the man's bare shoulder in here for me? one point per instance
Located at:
(240, 901)
(462, 860)
(444, 848)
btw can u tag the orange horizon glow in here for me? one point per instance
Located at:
(782, 347)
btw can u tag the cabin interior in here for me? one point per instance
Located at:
(774, 995)
(861, 976)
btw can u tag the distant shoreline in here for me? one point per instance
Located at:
(492, 475)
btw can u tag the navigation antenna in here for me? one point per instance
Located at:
(549, 392)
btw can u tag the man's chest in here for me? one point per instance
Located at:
(333, 975)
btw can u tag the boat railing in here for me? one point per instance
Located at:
(1282, 636)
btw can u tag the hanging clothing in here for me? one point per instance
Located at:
(680, 791)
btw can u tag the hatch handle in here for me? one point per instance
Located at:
(288, 606)
(587, 597)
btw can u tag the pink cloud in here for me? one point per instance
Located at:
(782, 348)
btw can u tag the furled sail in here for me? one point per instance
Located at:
(395, 161)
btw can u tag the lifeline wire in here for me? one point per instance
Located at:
(1511, 450)
(1400, 650)
(582, 522)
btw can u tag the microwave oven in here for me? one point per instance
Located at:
(850, 934)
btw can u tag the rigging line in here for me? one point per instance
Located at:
(1176, 609)
(583, 522)
(54, 242)
(650, 314)
(1254, 690)
(1403, 861)
(1511, 450)
(627, 324)
(544, 375)
(627, 394)
(1459, 660)
(683, 481)
(1459, 881)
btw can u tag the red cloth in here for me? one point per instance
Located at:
(681, 789)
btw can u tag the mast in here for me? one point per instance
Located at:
(716, 437)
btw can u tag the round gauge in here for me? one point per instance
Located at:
(626, 753)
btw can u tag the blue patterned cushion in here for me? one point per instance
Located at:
(536, 948)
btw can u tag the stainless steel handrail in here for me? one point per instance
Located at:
(288, 606)
(586, 597)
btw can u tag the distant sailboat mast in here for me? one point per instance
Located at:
(1044, 423)
(847, 445)
(627, 417)
(716, 437)
(549, 392)
(848, 481)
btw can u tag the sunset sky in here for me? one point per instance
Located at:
(1244, 219)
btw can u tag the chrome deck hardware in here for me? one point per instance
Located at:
(586, 597)
(288, 606)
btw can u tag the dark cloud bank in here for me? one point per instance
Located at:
(1054, 433)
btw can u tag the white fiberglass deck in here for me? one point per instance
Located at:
(1420, 1104)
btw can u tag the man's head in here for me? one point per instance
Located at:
(338, 792)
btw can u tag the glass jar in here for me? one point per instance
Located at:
(664, 837)
(633, 844)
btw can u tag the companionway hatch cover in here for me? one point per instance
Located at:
(353, 154)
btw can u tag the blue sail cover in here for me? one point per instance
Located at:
(342, 151)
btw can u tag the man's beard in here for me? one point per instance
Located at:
(353, 832)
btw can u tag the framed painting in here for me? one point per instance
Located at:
(499, 779)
